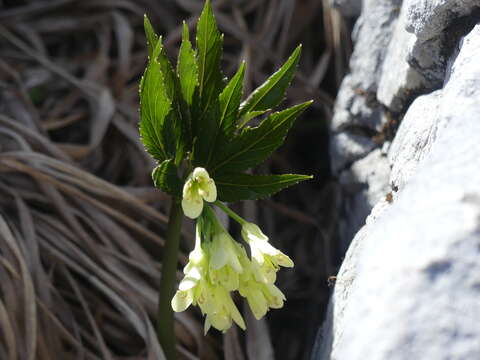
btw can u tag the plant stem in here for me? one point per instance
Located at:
(230, 213)
(165, 321)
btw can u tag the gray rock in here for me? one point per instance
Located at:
(425, 36)
(400, 81)
(437, 24)
(410, 284)
(358, 116)
(364, 183)
(356, 103)
(348, 8)
(372, 33)
(356, 108)
(414, 138)
(429, 18)
(346, 147)
(390, 67)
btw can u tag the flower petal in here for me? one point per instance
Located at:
(208, 191)
(192, 207)
(251, 232)
(187, 283)
(199, 174)
(284, 260)
(182, 300)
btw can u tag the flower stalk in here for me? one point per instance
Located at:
(230, 212)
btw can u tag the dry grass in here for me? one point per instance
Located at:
(80, 224)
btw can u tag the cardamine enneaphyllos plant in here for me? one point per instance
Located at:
(195, 124)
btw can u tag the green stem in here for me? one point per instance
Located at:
(165, 320)
(230, 213)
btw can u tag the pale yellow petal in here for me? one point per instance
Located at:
(206, 326)
(199, 174)
(208, 191)
(251, 232)
(284, 260)
(192, 207)
(181, 301)
(257, 303)
(236, 316)
(187, 283)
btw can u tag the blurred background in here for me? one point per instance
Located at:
(81, 227)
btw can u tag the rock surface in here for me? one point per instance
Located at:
(358, 115)
(348, 8)
(409, 284)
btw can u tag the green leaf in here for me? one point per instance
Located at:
(155, 105)
(150, 34)
(168, 73)
(175, 127)
(220, 124)
(254, 145)
(250, 115)
(187, 68)
(165, 178)
(204, 143)
(271, 92)
(209, 43)
(230, 101)
(236, 187)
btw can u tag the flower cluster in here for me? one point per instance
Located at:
(219, 265)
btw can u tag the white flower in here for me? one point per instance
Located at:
(261, 296)
(266, 259)
(211, 274)
(198, 187)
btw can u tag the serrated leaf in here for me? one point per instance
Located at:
(187, 68)
(167, 71)
(204, 143)
(237, 187)
(175, 126)
(271, 92)
(250, 115)
(254, 145)
(165, 178)
(230, 101)
(155, 105)
(221, 120)
(150, 34)
(209, 43)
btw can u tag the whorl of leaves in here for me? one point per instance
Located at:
(195, 113)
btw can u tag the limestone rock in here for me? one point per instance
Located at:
(357, 94)
(358, 116)
(437, 25)
(364, 184)
(348, 8)
(346, 146)
(410, 284)
(414, 138)
(429, 18)
(400, 80)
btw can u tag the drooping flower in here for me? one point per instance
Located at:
(199, 186)
(261, 296)
(211, 274)
(220, 310)
(193, 286)
(266, 259)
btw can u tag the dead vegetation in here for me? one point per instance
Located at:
(81, 225)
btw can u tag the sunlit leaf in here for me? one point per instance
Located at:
(236, 187)
(253, 145)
